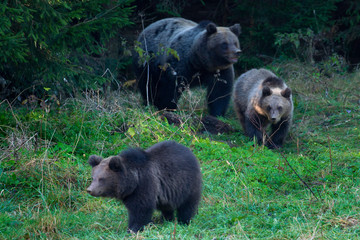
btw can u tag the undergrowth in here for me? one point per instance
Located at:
(249, 192)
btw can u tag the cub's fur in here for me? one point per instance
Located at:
(262, 99)
(206, 57)
(166, 177)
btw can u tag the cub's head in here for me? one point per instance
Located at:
(223, 44)
(116, 176)
(275, 100)
(106, 176)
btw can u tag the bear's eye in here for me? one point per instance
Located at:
(280, 109)
(268, 108)
(101, 179)
(224, 45)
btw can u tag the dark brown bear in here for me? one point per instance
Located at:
(166, 177)
(262, 99)
(205, 57)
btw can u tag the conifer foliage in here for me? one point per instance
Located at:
(44, 43)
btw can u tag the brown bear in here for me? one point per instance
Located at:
(262, 99)
(166, 177)
(205, 55)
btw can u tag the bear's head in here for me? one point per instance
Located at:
(219, 48)
(110, 177)
(275, 100)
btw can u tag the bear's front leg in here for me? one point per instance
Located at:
(278, 134)
(138, 218)
(219, 91)
(188, 209)
(253, 129)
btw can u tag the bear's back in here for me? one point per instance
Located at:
(252, 79)
(163, 32)
(171, 153)
(248, 85)
(176, 171)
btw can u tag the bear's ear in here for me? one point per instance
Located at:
(286, 93)
(236, 29)
(94, 160)
(211, 28)
(266, 91)
(116, 165)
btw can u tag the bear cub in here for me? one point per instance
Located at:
(205, 56)
(262, 99)
(166, 177)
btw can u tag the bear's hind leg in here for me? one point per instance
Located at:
(166, 94)
(187, 210)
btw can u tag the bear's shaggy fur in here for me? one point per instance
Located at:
(166, 177)
(206, 54)
(262, 99)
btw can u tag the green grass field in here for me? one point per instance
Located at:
(249, 192)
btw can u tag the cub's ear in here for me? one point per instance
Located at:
(286, 93)
(236, 29)
(266, 91)
(211, 28)
(116, 165)
(94, 160)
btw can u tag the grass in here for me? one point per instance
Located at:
(249, 192)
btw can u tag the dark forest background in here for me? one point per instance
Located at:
(56, 49)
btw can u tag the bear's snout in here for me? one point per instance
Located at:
(237, 52)
(92, 191)
(274, 116)
(233, 55)
(89, 190)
